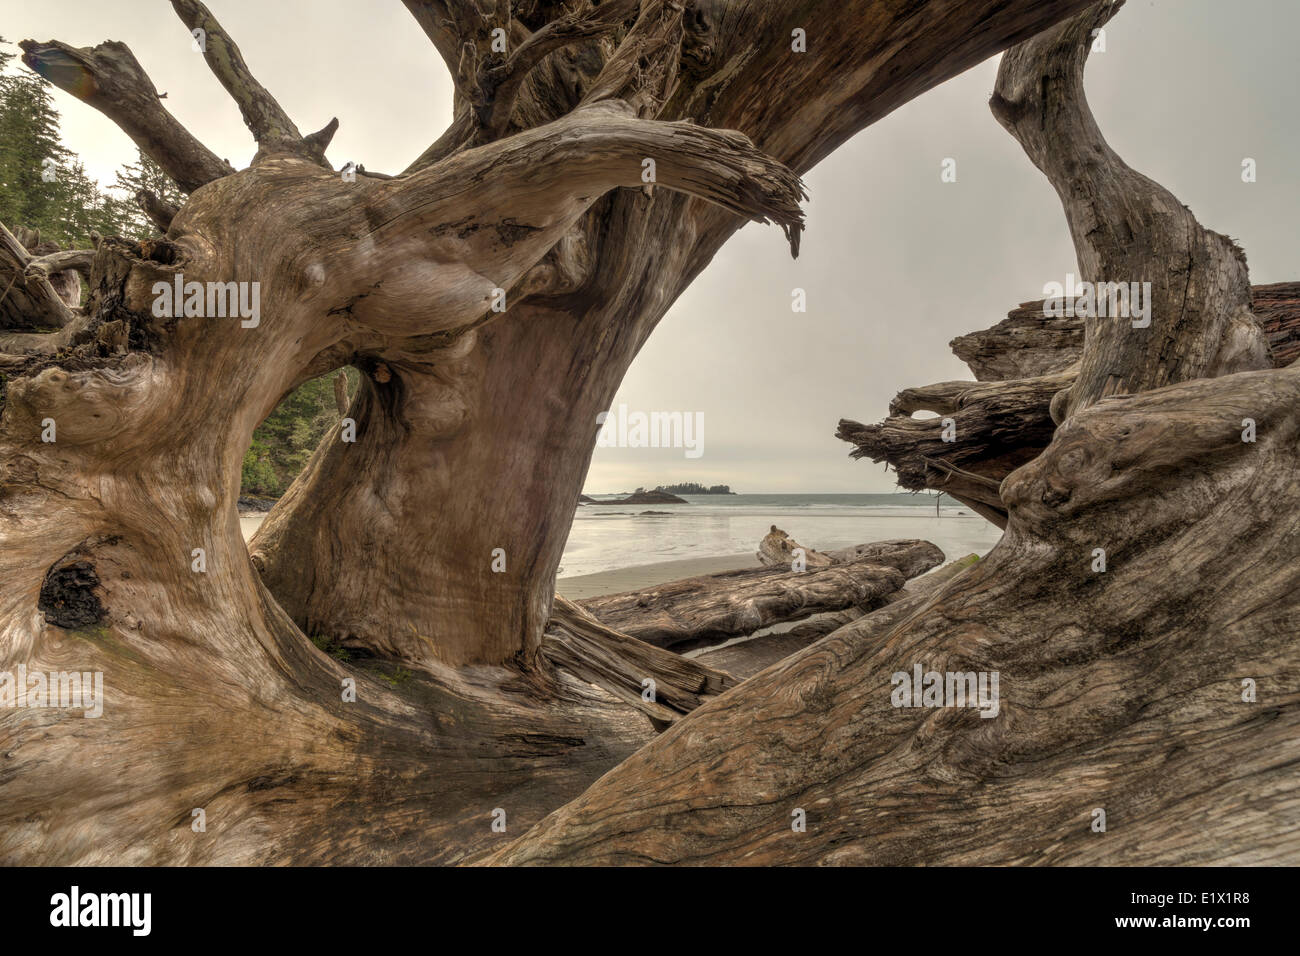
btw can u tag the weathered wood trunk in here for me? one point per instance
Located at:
(1169, 300)
(1026, 344)
(982, 434)
(120, 553)
(1029, 342)
(216, 699)
(1130, 235)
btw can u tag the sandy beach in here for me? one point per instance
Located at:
(648, 575)
(727, 529)
(619, 579)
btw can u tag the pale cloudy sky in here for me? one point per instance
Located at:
(895, 262)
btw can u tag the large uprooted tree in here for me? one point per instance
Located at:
(474, 428)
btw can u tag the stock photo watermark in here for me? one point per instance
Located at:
(63, 690)
(921, 688)
(635, 429)
(1087, 300)
(77, 909)
(213, 300)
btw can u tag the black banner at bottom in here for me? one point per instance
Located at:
(944, 906)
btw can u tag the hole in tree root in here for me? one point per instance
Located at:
(285, 440)
(68, 596)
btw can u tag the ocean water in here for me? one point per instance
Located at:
(610, 537)
(607, 537)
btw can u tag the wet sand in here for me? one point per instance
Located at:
(648, 575)
(576, 587)
(620, 579)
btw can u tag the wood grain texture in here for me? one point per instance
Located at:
(661, 684)
(985, 430)
(1026, 344)
(744, 659)
(713, 608)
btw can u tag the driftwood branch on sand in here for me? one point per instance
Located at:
(713, 608)
(744, 659)
(660, 683)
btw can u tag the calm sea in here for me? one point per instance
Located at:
(606, 537)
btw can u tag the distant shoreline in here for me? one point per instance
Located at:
(927, 498)
(596, 538)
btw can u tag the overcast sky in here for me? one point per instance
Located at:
(895, 263)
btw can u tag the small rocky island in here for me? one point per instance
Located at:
(643, 497)
(694, 488)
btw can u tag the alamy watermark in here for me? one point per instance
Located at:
(130, 910)
(947, 689)
(1086, 300)
(68, 690)
(215, 300)
(624, 429)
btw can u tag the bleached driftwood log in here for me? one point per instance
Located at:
(662, 684)
(744, 659)
(778, 549)
(713, 608)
